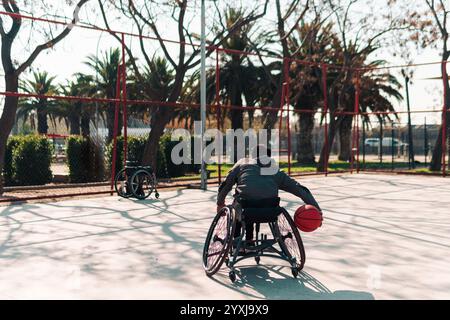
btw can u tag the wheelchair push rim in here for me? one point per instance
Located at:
(142, 184)
(121, 184)
(218, 241)
(291, 243)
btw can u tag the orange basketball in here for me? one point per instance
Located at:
(308, 218)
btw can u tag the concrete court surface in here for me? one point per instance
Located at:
(384, 237)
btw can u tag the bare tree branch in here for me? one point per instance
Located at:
(217, 43)
(434, 12)
(2, 29)
(152, 25)
(127, 49)
(300, 18)
(11, 7)
(50, 43)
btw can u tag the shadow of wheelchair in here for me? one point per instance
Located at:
(276, 282)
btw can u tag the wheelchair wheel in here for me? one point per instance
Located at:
(291, 242)
(218, 241)
(122, 185)
(142, 184)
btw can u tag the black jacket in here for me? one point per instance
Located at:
(252, 184)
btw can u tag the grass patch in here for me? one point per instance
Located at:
(334, 166)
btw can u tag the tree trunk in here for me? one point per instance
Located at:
(305, 152)
(326, 148)
(236, 117)
(345, 138)
(160, 119)
(7, 119)
(158, 124)
(436, 160)
(110, 115)
(337, 102)
(74, 124)
(85, 124)
(272, 116)
(42, 118)
(251, 117)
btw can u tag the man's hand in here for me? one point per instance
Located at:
(220, 207)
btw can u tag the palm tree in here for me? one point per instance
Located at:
(155, 85)
(77, 114)
(105, 79)
(40, 84)
(312, 42)
(377, 89)
(238, 75)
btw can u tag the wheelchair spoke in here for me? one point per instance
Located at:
(289, 240)
(218, 242)
(213, 254)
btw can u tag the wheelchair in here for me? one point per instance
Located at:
(225, 239)
(136, 181)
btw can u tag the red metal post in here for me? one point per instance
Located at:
(325, 112)
(444, 119)
(219, 117)
(124, 103)
(287, 101)
(116, 129)
(280, 126)
(355, 123)
(358, 116)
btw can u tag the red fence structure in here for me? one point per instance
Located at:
(285, 112)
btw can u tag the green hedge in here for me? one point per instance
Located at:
(28, 160)
(85, 160)
(8, 170)
(136, 146)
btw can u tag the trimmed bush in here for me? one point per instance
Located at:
(28, 161)
(85, 160)
(136, 147)
(8, 166)
(173, 170)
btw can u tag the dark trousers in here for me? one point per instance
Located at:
(249, 227)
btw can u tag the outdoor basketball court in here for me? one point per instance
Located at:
(384, 237)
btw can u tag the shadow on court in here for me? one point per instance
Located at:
(115, 248)
(269, 282)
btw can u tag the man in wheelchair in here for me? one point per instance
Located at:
(253, 186)
(256, 202)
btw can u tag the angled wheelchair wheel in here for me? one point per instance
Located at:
(218, 241)
(142, 184)
(291, 242)
(122, 185)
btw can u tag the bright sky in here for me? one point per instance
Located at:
(68, 57)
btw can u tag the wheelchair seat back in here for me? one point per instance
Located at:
(260, 211)
(132, 163)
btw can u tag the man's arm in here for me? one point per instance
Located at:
(290, 185)
(227, 184)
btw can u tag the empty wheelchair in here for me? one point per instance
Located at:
(136, 181)
(225, 239)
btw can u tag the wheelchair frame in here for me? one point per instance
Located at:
(231, 254)
(132, 172)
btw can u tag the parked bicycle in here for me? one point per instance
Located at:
(136, 181)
